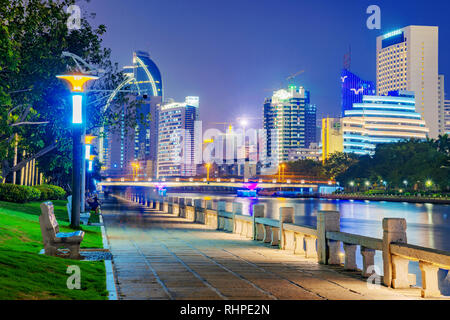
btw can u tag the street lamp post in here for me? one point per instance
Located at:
(88, 158)
(77, 82)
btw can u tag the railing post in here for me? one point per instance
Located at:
(334, 252)
(299, 243)
(221, 207)
(394, 230)
(326, 221)
(258, 212)
(182, 207)
(237, 209)
(286, 216)
(350, 256)
(368, 261)
(430, 283)
(199, 205)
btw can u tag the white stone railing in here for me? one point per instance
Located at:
(322, 243)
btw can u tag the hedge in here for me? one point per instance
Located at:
(17, 193)
(50, 192)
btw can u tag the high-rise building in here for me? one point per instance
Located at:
(310, 124)
(447, 116)
(285, 123)
(353, 88)
(441, 105)
(128, 143)
(407, 59)
(177, 138)
(332, 137)
(382, 119)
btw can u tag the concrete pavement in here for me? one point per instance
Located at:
(160, 256)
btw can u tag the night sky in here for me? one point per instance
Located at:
(233, 53)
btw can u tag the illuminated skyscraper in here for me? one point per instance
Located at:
(447, 116)
(382, 119)
(407, 59)
(125, 143)
(332, 137)
(285, 123)
(353, 88)
(177, 147)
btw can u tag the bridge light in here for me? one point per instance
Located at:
(288, 180)
(122, 179)
(274, 181)
(191, 179)
(218, 179)
(302, 181)
(260, 180)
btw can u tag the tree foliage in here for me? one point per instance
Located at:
(34, 104)
(404, 164)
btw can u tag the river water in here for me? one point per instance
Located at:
(428, 225)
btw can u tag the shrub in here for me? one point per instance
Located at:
(59, 192)
(50, 192)
(19, 194)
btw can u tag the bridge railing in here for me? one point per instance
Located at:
(322, 243)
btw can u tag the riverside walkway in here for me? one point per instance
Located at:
(160, 256)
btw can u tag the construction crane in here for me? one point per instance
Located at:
(295, 75)
(225, 124)
(291, 77)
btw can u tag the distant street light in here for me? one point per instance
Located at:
(135, 166)
(208, 166)
(77, 82)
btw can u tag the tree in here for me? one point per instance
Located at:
(307, 168)
(34, 103)
(413, 161)
(338, 163)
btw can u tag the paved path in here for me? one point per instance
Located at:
(160, 256)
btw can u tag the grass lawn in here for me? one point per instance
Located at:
(25, 274)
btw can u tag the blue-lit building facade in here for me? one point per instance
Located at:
(310, 124)
(353, 88)
(382, 119)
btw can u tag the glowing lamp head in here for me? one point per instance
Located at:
(244, 122)
(77, 81)
(88, 139)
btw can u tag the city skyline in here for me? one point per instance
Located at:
(237, 55)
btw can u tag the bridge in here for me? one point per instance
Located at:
(180, 248)
(232, 185)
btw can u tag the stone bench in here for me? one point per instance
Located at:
(53, 239)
